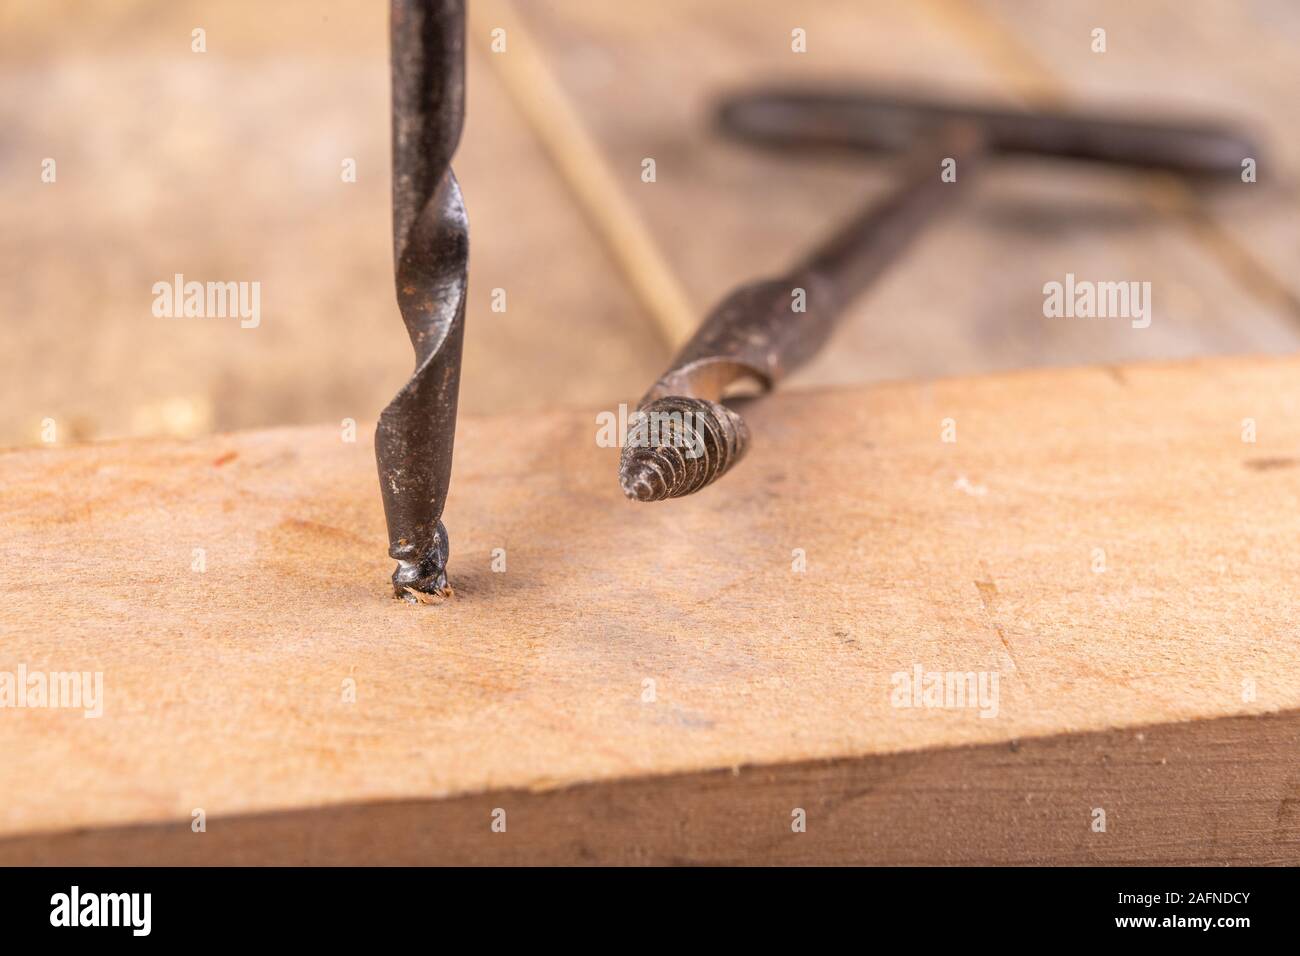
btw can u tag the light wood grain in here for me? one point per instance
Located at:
(1175, 794)
(596, 190)
(227, 165)
(224, 689)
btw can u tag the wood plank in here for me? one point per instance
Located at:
(1175, 794)
(1145, 677)
(227, 166)
(969, 297)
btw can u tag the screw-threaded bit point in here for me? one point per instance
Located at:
(677, 445)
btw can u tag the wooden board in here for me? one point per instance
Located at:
(1157, 680)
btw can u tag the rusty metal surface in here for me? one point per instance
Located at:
(683, 436)
(413, 440)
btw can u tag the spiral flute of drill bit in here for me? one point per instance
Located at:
(413, 440)
(764, 329)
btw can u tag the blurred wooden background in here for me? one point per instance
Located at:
(226, 165)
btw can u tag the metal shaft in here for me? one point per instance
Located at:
(683, 437)
(413, 440)
(804, 118)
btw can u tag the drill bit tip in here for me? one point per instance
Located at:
(677, 445)
(423, 572)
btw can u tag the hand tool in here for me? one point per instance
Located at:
(413, 440)
(683, 436)
(801, 119)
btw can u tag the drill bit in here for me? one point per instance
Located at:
(413, 440)
(682, 437)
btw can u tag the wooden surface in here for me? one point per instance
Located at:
(225, 165)
(969, 297)
(1120, 689)
(1253, 232)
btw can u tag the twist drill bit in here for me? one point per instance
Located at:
(682, 436)
(413, 440)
